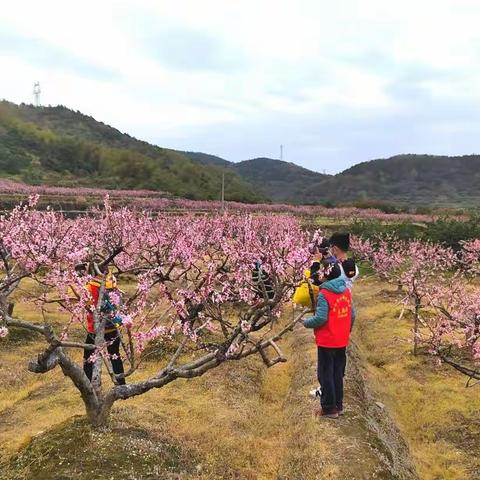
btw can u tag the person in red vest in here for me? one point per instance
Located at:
(332, 324)
(112, 336)
(334, 249)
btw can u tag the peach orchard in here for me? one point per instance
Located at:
(440, 287)
(190, 284)
(191, 290)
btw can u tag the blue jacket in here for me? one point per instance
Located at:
(337, 285)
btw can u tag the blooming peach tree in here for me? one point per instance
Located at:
(203, 290)
(440, 289)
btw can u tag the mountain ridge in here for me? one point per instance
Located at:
(421, 179)
(59, 146)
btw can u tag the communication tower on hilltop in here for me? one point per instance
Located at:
(36, 94)
(281, 152)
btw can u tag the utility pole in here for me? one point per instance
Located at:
(36, 93)
(223, 191)
(281, 152)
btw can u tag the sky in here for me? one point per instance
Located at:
(335, 82)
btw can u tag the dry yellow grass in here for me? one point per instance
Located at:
(240, 421)
(438, 416)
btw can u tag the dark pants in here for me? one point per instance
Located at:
(113, 348)
(330, 371)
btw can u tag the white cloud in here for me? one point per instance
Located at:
(276, 70)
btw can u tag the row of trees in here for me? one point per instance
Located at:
(368, 219)
(190, 290)
(439, 285)
(450, 229)
(194, 292)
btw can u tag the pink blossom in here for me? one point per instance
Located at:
(438, 288)
(127, 321)
(184, 275)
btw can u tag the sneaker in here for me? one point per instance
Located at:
(341, 411)
(320, 412)
(316, 393)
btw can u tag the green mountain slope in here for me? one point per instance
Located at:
(415, 179)
(208, 159)
(279, 180)
(418, 179)
(58, 146)
(55, 145)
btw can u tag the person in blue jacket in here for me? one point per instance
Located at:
(332, 323)
(335, 249)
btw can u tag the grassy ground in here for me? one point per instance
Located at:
(438, 416)
(240, 421)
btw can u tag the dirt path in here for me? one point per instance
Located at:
(347, 448)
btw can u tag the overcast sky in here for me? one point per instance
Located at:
(335, 82)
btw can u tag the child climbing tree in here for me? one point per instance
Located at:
(189, 291)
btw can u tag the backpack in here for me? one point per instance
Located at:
(306, 293)
(112, 302)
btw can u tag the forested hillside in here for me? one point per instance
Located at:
(58, 146)
(55, 145)
(402, 179)
(418, 179)
(278, 180)
(281, 181)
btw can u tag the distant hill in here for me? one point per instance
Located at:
(278, 180)
(281, 181)
(207, 159)
(403, 179)
(417, 179)
(58, 146)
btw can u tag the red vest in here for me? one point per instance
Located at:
(335, 333)
(93, 286)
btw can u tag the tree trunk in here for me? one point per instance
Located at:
(98, 414)
(416, 327)
(97, 405)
